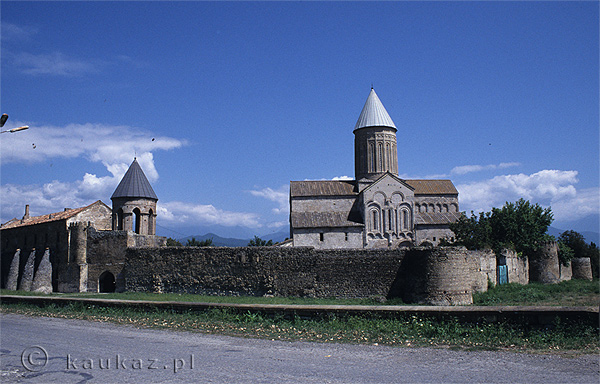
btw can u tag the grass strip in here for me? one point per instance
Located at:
(409, 330)
(566, 293)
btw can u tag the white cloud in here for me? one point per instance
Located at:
(113, 146)
(464, 169)
(177, 212)
(50, 197)
(343, 178)
(279, 196)
(14, 32)
(585, 202)
(550, 188)
(55, 63)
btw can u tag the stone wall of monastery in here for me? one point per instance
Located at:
(421, 275)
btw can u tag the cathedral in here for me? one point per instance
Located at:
(378, 209)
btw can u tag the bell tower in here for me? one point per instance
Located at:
(375, 147)
(134, 203)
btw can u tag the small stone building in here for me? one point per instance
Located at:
(378, 209)
(52, 231)
(86, 245)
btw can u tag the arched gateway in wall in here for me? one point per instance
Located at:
(106, 282)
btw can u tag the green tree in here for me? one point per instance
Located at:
(565, 253)
(575, 241)
(199, 243)
(473, 232)
(520, 226)
(173, 243)
(258, 242)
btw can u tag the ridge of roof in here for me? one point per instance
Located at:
(63, 215)
(432, 186)
(388, 173)
(374, 114)
(322, 188)
(134, 184)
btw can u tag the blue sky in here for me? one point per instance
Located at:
(224, 103)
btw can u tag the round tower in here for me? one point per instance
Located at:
(134, 203)
(375, 147)
(544, 265)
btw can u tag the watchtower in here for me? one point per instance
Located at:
(134, 203)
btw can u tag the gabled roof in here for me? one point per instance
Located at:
(322, 220)
(389, 174)
(374, 114)
(322, 188)
(64, 215)
(134, 184)
(432, 187)
(334, 188)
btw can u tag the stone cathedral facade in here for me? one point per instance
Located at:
(378, 209)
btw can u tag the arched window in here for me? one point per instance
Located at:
(151, 222)
(136, 220)
(387, 156)
(374, 220)
(371, 157)
(394, 158)
(119, 226)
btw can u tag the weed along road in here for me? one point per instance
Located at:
(51, 350)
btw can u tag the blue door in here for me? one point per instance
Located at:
(502, 274)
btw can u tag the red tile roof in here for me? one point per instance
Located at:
(64, 215)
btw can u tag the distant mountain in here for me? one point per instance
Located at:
(277, 237)
(237, 232)
(589, 235)
(219, 241)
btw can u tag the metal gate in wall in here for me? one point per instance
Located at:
(502, 274)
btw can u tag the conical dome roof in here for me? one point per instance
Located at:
(374, 114)
(134, 184)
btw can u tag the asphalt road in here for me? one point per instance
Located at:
(48, 350)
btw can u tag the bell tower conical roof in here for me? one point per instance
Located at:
(374, 114)
(134, 184)
(375, 146)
